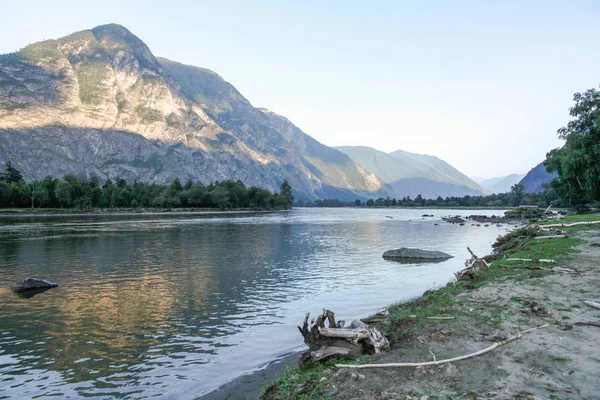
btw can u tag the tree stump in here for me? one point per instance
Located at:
(325, 342)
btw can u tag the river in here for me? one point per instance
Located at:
(174, 306)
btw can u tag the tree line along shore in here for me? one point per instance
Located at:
(82, 193)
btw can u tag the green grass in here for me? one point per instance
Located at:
(288, 385)
(554, 249)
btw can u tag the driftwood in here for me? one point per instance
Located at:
(551, 237)
(414, 316)
(473, 264)
(380, 316)
(589, 323)
(537, 260)
(440, 362)
(592, 304)
(325, 342)
(571, 224)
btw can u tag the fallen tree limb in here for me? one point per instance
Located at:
(351, 334)
(551, 237)
(414, 316)
(440, 362)
(589, 323)
(592, 304)
(563, 269)
(540, 260)
(473, 264)
(572, 224)
(379, 316)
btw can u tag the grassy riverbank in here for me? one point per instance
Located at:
(508, 297)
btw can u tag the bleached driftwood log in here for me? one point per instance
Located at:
(540, 260)
(380, 316)
(473, 264)
(571, 224)
(325, 342)
(592, 304)
(551, 237)
(588, 323)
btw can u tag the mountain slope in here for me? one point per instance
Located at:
(411, 174)
(536, 178)
(501, 184)
(98, 102)
(340, 177)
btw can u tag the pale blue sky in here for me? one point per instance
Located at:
(483, 85)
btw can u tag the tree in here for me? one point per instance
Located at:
(357, 202)
(176, 185)
(578, 161)
(286, 194)
(517, 194)
(11, 174)
(63, 193)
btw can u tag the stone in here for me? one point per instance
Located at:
(404, 253)
(32, 284)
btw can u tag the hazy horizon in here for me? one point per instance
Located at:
(483, 87)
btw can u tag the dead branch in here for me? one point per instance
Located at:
(440, 362)
(592, 304)
(572, 224)
(589, 323)
(551, 237)
(473, 264)
(539, 260)
(351, 334)
(379, 316)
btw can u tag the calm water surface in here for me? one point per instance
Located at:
(176, 306)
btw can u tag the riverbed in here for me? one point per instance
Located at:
(176, 306)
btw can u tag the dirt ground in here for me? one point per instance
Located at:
(560, 361)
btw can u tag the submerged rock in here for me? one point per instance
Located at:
(404, 253)
(32, 284)
(454, 220)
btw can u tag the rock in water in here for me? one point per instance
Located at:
(404, 253)
(32, 284)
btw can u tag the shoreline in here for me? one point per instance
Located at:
(128, 212)
(249, 386)
(500, 301)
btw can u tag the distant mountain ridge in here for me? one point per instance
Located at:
(500, 184)
(536, 178)
(410, 174)
(98, 102)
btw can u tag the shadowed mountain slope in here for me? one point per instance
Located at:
(411, 174)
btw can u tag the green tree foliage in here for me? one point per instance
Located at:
(578, 161)
(83, 193)
(286, 196)
(10, 174)
(515, 198)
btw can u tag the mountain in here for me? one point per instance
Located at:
(410, 174)
(500, 184)
(98, 102)
(536, 178)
